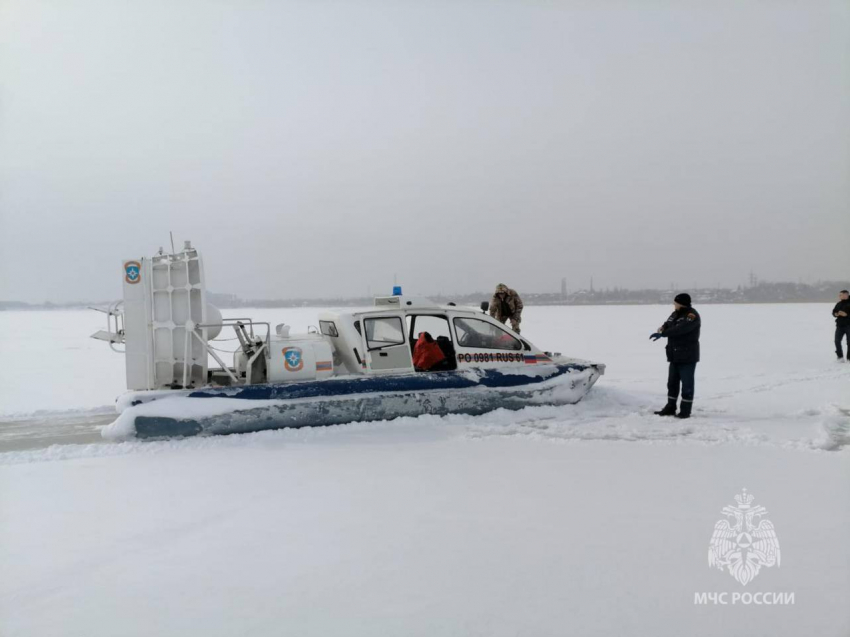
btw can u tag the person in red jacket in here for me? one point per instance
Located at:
(426, 353)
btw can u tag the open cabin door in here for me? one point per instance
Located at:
(385, 341)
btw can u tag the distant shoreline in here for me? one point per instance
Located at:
(760, 293)
(326, 304)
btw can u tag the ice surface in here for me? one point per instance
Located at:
(588, 519)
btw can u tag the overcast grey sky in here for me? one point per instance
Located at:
(317, 148)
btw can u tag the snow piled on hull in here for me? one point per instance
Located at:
(186, 415)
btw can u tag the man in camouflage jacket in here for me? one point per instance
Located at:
(506, 306)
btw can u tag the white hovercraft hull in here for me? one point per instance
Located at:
(336, 401)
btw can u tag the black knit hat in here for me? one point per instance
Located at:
(683, 299)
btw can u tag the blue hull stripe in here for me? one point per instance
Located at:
(412, 382)
(390, 398)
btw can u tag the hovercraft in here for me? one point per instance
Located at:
(355, 366)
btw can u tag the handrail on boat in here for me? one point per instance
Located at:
(236, 323)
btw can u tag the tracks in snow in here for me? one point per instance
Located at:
(43, 429)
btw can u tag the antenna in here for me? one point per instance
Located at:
(171, 234)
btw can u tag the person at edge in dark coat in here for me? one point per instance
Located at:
(841, 312)
(681, 330)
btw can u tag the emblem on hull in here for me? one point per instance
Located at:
(292, 359)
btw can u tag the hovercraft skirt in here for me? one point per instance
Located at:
(258, 408)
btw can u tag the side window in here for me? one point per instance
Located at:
(384, 332)
(478, 333)
(436, 326)
(328, 328)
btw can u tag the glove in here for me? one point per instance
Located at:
(655, 336)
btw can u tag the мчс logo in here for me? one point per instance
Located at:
(132, 272)
(292, 359)
(741, 546)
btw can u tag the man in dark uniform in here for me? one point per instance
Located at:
(841, 312)
(681, 330)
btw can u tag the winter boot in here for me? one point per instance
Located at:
(669, 409)
(685, 409)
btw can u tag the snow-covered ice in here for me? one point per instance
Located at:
(590, 519)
